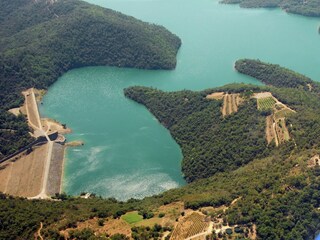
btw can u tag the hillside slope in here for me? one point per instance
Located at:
(40, 40)
(309, 8)
(209, 142)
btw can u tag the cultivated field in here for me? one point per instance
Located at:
(189, 226)
(231, 102)
(111, 226)
(266, 103)
(270, 130)
(276, 129)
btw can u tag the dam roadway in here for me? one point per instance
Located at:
(36, 174)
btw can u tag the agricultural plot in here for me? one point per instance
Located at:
(265, 104)
(231, 103)
(270, 132)
(132, 217)
(281, 130)
(276, 129)
(190, 226)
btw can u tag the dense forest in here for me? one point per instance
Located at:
(209, 142)
(309, 8)
(275, 75)
(40, 40)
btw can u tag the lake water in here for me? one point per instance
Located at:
(127, 153)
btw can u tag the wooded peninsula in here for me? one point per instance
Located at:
(310, 8)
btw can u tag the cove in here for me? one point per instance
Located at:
(127, 153)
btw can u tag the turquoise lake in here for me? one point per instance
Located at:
(127, 153)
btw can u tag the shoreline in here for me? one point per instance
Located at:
(66, 146)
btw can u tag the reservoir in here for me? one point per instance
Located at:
(127, 153)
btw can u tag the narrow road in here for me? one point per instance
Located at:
(46, 171)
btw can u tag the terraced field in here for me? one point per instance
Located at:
(231, 103)
(266, 103)
(190, 226)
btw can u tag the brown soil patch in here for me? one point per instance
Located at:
(262, 95)
(39, 93)
(15, 111)
(270, 133)
(172, 212)
(281, 130)
(314, 161)
(231, 103)
(23, 177)
(215, 95)
(253, 232)
(111, 227)
(50, 126)
(32, 109)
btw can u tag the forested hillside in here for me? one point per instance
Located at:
(209, 142)
(275, 75)
(309, 8)
(40, 40)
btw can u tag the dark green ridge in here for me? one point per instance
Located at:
(275, 75)
(40, 41)
(310, 8)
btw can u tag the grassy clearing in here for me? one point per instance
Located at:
(266, 103)
(132, 217)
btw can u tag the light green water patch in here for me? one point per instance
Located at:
(127, 153)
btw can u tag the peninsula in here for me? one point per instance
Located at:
(310, 8)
